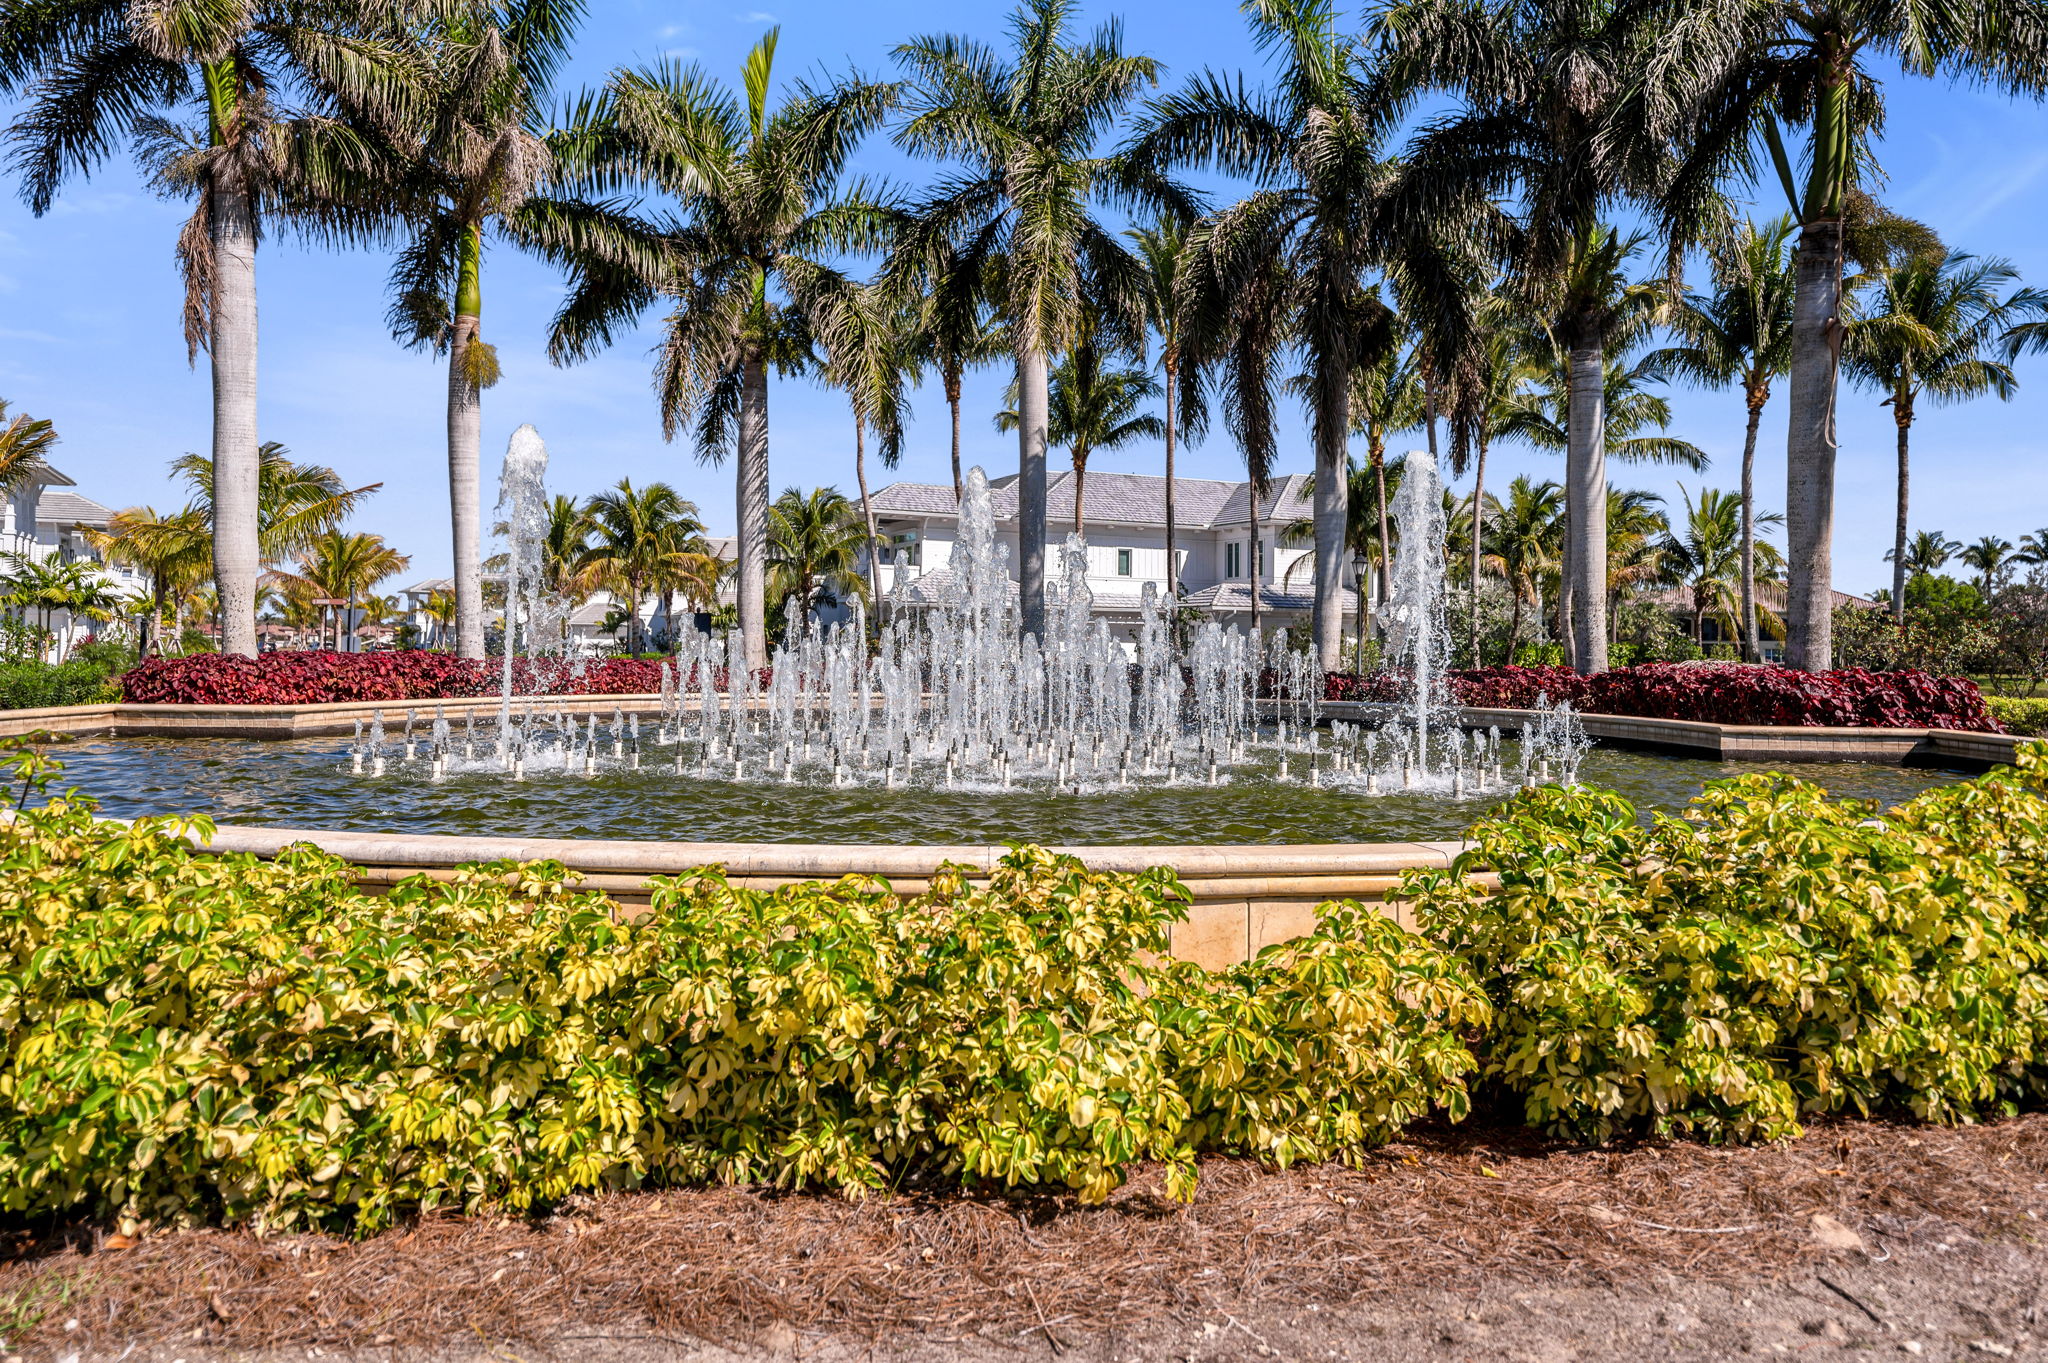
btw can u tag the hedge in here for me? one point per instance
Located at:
(192, 1037)
(314, 676)
(32, 685)
(2020, 715)
(1723, 693)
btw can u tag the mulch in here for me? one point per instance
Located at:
(1444, 1209)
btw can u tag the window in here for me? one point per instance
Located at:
(1123, 563)
(1233, 560)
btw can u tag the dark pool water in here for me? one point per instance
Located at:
(306, 783)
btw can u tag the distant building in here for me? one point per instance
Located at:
(1225, 548)
(41, 521)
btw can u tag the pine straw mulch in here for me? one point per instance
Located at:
(1442, 1209)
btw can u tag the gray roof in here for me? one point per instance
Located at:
(1231, 598)
(68, 508)
(1114, 498)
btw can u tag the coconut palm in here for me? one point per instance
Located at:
(1021, 131)
(1283, 270)
(24, 443)
(1386, 397)
(1636, 531)
(762, 211)
(1740, 333)
(1524, 545)
(1929, 331)
(814, 550)
(1092, 408)
(634, 533)
(1704, 552)
(440, 612)
(94, 76)
(1729, 73)
(173, 551)
(1161, 248)
(343, 568)
(1927, 551)
(295, 503)
(1990, 557)
(2033, 549)
(1635, 418)
(870, 347)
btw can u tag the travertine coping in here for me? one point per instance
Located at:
(1730, 742)
(1244, 898)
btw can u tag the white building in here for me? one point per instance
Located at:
(1222, 545)
(40, 521)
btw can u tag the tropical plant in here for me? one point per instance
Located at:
(24, 443)
(745, 264)
(1161, 247)
(1282, 271)
(1740, 333)
(1929, 331)
(472, 157)
(1636, 558)
(343, 568)
(295, 503)
(93, 77)
(2033, 549)
(439, 608)
(1729, 74)
(955, 331)
(635, 533)
(1386, 397)
(173, 551)
(77, 588)
(1364, 539)
(1017, 213)
(1091, 407)
(1704, 554)
(1524, 545)
(1991, 557)
(870, 346)
(814, 551)
(1539, 411)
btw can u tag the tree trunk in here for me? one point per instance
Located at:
(1586, 498)
(1902, 416)
(1360, 570)
(867, 509)
(1378, 456)
(1810, 448)
(751, 499)
(1032, 400)
(1332, 491)
(1752, 646)
(1080, 457)
(1478, 534)
(1255, 564)
(953, 401)
(465, 459)
(1172, 561)
(237, 557)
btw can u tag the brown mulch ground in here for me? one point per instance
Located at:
(1445, 1208)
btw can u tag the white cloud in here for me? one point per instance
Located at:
(757, 16)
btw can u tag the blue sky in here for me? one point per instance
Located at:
(90, 334)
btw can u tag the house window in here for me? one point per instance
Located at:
(1233, 559)
(1123, 563)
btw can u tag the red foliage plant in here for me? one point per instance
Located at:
(314, 677)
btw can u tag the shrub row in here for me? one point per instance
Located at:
(190, 1036)
(32, 685)
(1723, 693)
(313, 677)
(2020, 714)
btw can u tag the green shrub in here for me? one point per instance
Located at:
(2020, 715)
(1770, 953)
(30, 685)
(191, 1036)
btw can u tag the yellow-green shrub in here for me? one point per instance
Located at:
(1772, 952)
(192, 1036)
(2020, 714)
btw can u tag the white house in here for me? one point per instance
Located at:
(40, 521)
(1224, 545)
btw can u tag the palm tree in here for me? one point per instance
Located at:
(1023, 129)
(1283, 269)
(295, 503)
(2033, 550)
(24, 441)
(954, 331)
(1091, 408)
(343, 568)
(1740, 333)
(1161, 247)
(763, 210)
(814, 549)
(1539, 413)
(1636, 531)
(1990, 557)
(1729, 73)
(1525, 542)
(1933, 322)
(174, 552)
(1928, 550)
(1705, 556)
(1364, 538)
(93, 76)
(870, 349)
(634, 533)
(1386, 397)
(440, 609)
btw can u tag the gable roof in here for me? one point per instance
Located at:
(1114, 498)
(68, 509)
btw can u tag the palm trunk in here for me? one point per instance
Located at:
(1752, 646)
(1514, 629)
(1255, 564)
(953, 401)
(1902, 414)
(1478, 533)
(751, 501)
(1360, 570)
(465, 440)
(1332, 492)
(1172, 560)
(1032, 401)
(1379, 472)
(1080, 457)
(668, 616)
(867, 508)
(1586, 497)
(1810, 448)
(232, 341)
